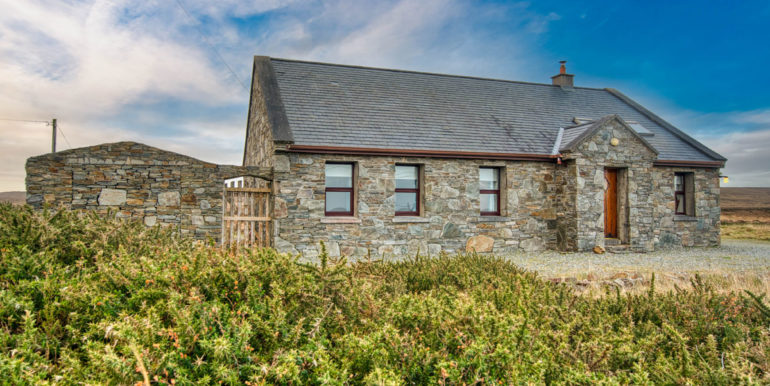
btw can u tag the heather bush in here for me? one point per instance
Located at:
(90, 300)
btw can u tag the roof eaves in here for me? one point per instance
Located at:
(660, 121)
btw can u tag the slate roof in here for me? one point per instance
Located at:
(350, 106)
(571, 134)
(574, 135)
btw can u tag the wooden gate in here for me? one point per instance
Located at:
(247, 217)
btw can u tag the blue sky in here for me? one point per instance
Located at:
(113, 70)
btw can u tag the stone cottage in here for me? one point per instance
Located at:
(393, 162)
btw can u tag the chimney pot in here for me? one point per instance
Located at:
(562, 78)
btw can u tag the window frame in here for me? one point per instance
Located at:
(682, 192)
(350, 190)
(417, 191)
(491, 191)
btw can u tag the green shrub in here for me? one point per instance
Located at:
(91, 300)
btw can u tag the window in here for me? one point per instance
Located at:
(684, 194)
(407, 190)
(489, 191)
(680, 203)
(339, 189)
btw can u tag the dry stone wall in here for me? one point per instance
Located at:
(135, 181)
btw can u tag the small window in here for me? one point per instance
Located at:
(489, 191)
(407, 190)
(679, 194)
(641, 130)
(684, 194)
(339, 189)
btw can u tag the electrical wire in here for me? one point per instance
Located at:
(24, 120)
(64, 136)
(58, 127)
(205, 39)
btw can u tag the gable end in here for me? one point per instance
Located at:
(596, 126)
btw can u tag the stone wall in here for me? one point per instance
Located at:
(702, 229)
(259, 136)
(451, 207)
(135, 181)
(591, 158)
(546, 206)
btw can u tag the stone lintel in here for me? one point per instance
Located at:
(340, 220)
(410, 219)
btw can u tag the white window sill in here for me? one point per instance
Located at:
(681, 217)
(494, 219)
(340, 220)
(405, 219)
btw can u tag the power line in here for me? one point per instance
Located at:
(65, 137)
(205, 39)
(24, 120)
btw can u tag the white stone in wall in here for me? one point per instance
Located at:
(169, 199)
(281, 163)
(150, 220)
(434, 249)
(112, 197)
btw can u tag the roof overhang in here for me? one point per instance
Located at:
(692, 164)
(418, 153)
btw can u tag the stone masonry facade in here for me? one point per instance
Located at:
(701, 229)
(544, 205)
(635, 160)
(450, 201)
(138, 182)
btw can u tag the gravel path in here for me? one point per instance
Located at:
(734, 256)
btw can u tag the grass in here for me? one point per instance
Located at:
(746, 231)
(720, 282)
(88, 300)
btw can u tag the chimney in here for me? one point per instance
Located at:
(562, 79)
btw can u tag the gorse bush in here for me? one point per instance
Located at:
(89, 300)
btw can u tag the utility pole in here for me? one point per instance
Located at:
(53, 136)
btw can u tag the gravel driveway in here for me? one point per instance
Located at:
(734, 256)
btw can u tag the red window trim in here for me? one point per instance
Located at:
(492, 191)
(350, 190)
(416, 191)
(683, 192)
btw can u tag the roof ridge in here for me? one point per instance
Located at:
(430, 73)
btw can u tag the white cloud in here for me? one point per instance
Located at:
(748, 159)
(92, 63)
(99, 62)
(742, 137)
